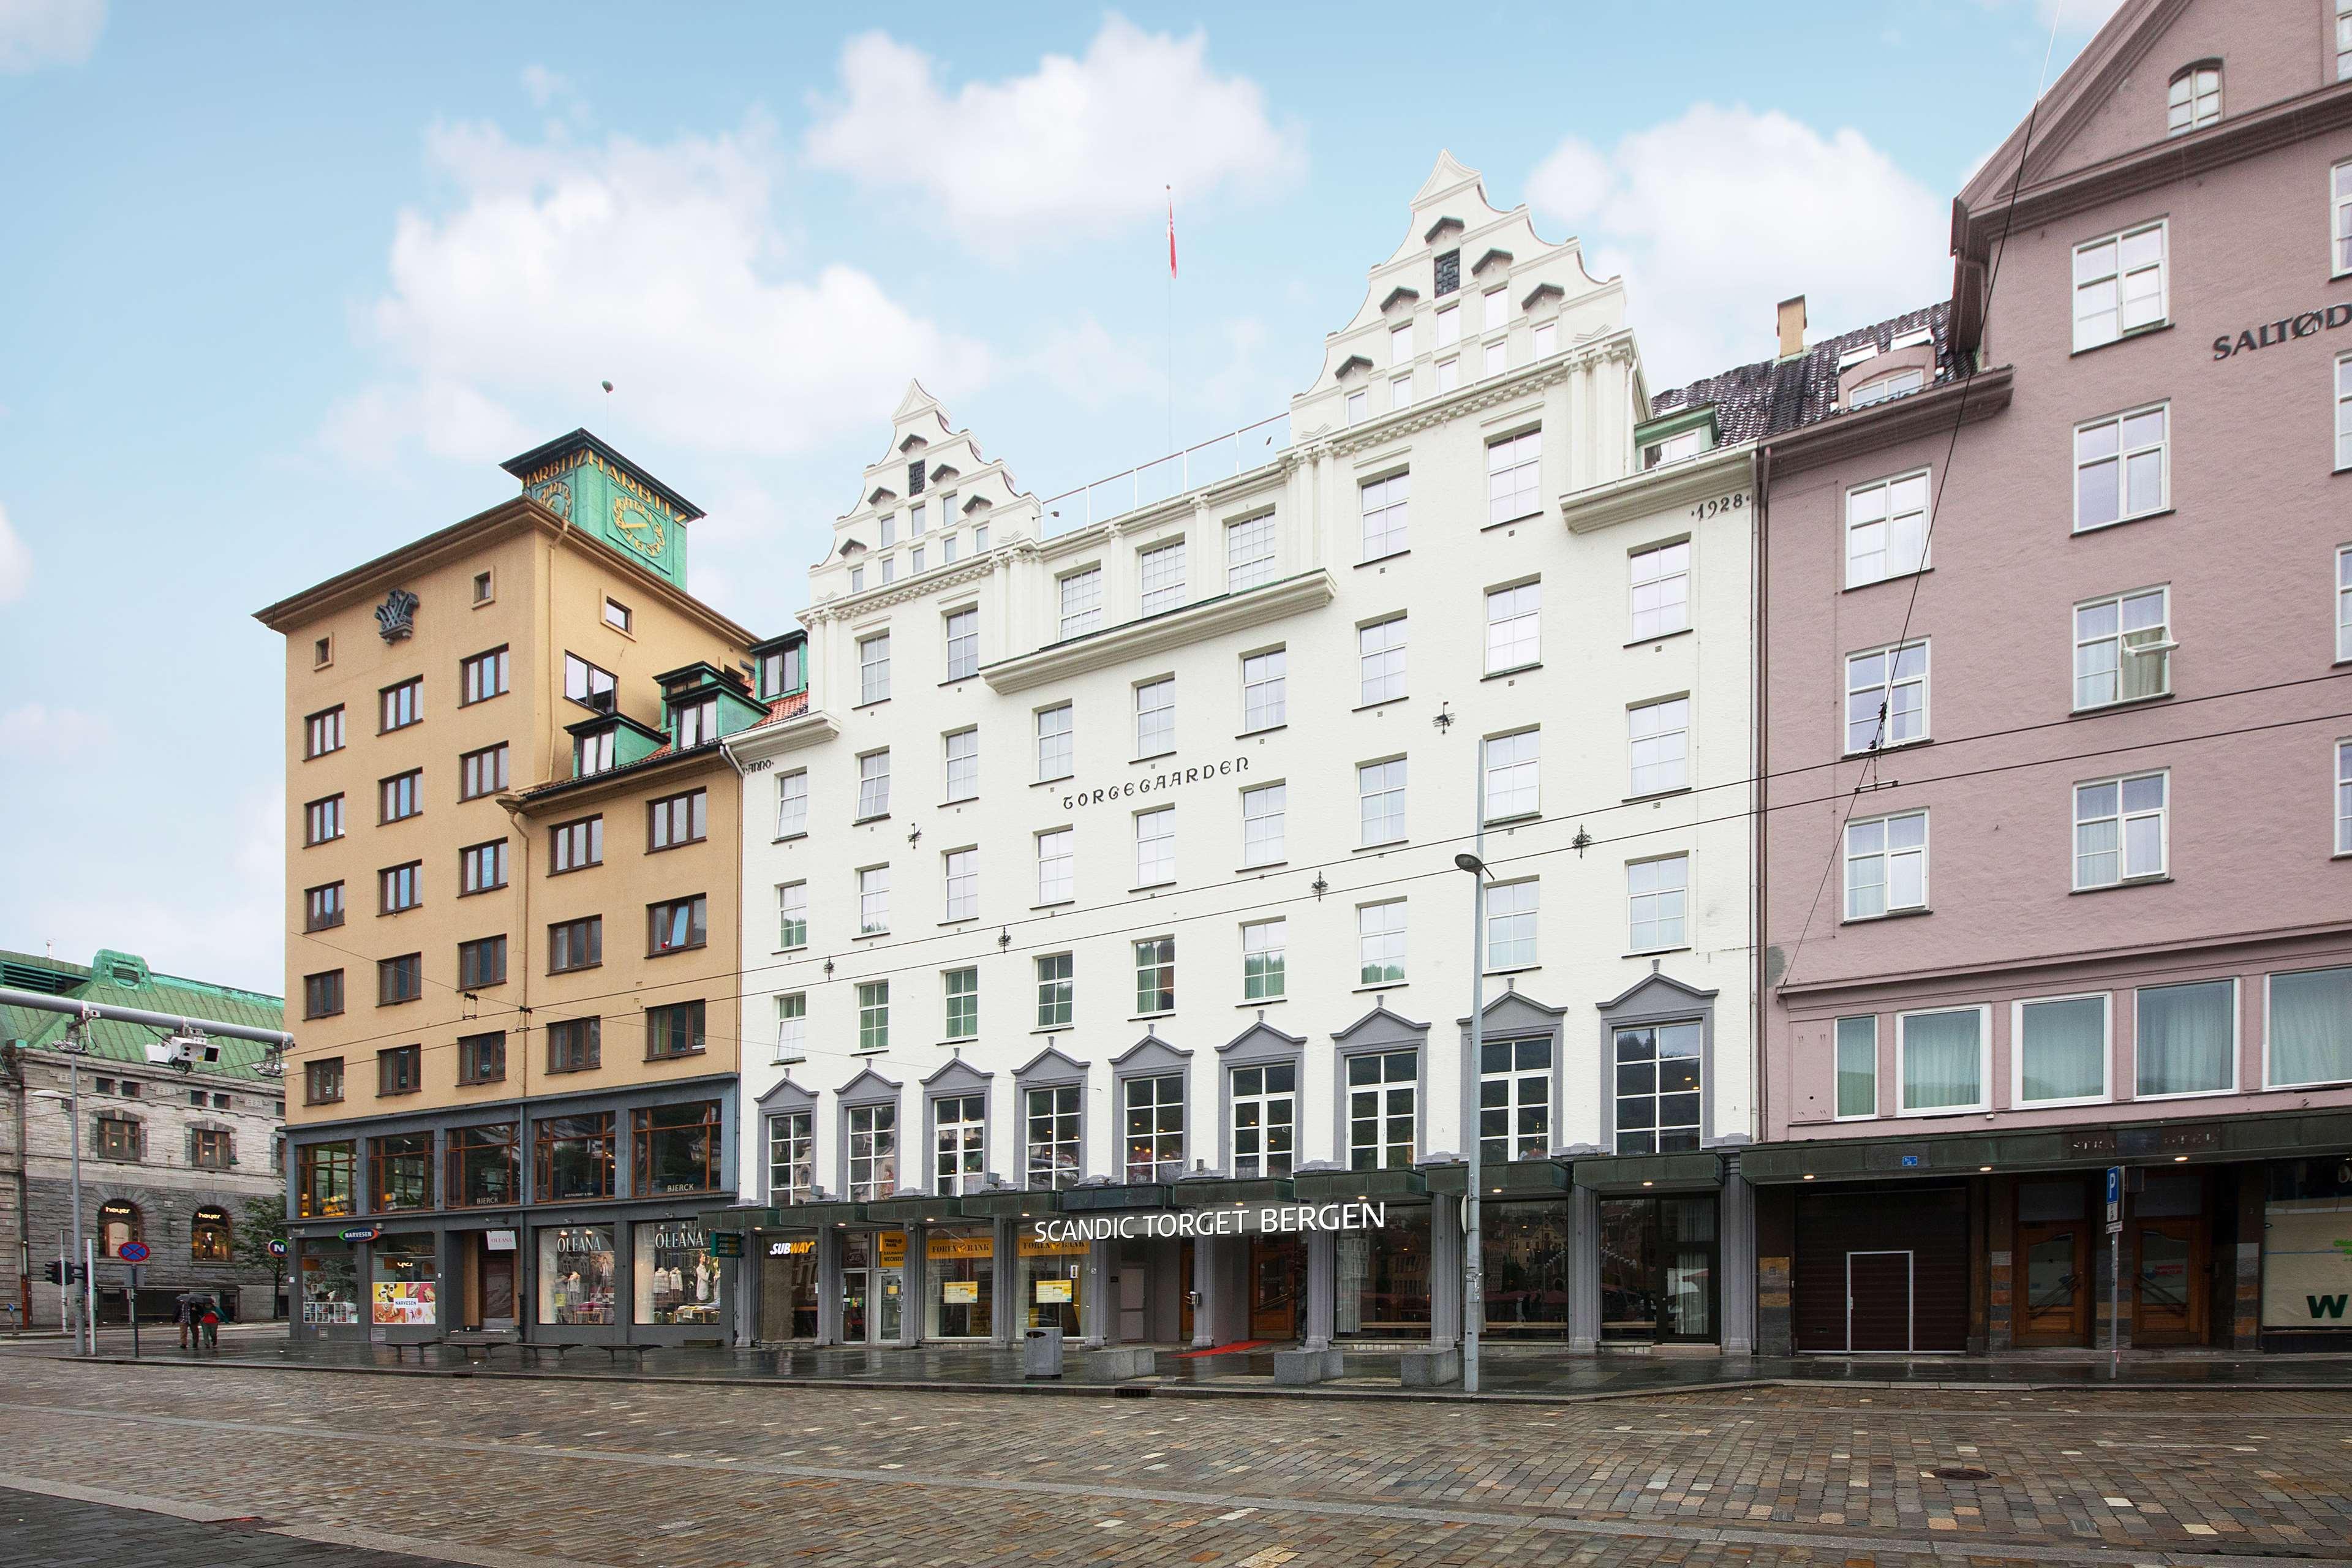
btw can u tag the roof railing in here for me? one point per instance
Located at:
(1220, 458)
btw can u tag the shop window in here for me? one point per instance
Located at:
(401, 1167)
(1154, 1113)
(676, 1279)
(323, 1180)
(1657, 1269)
(1052, 1283)
(1050, 1133)
(210, 1239)
(573, 1158)
(119, 1223)
(1526, 1249)
(576, 1274)
(678, 1149)
(406, 1288)
(1383, 1280)
(483, 1167)
(873, 1152)
(1383, 1105)
(962, 1283)
(1657, 1093)
(1514, 1099)
(330, 1285)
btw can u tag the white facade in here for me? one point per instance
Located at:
(1270, 699)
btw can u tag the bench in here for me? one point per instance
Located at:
(400, 1348)
(559, 1346)
(482, 1340)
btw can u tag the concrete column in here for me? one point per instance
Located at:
(1583, 1271)
(829, 1286)
(1322, 1290)
(1006, 1314)
(1736, 1260)
(1097, 1323)
(1205, 1285)
(1445, 1270)
(911, 1291)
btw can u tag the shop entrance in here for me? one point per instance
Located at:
(2051, 1266)
(1879, 1313)
(788, 1292)
(2169, 1245)
(857, 1325)
(493, 1278)
(1278, 1286)
(1657, 1269)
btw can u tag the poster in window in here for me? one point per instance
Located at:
(576, 1274)
(1053, 1290)
(2307, 1264)
(676, 1278)
(960, 1292)
(403, 1302)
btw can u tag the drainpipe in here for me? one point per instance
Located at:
(1760, 617)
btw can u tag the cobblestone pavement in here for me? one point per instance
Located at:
(523, 1473)
(39, 1532)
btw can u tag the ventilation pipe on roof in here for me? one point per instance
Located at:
(1792, 326)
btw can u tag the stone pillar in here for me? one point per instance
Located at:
(1203, 1285)
(912, 1286)
(1445, 1270)
(1096, 1325)
(1008, 1312)
(2246, 1295)
(1322, 1288)
(829, 1286)
(1736, 1227)
(1583, 1271)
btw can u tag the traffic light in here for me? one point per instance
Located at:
(54, 1271)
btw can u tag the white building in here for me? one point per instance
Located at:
(1111, 871)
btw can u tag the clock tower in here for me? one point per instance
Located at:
(580, 479)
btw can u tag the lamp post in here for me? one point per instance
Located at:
(85, 1331)
(1473, 1292)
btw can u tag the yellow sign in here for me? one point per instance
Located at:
(938, 1246)
(1033, 1248)
(1050, 1291)
(890, 1249)
(960, 1292)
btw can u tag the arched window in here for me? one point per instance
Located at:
(2195, 99)
(208, 1237)
(117, 1222)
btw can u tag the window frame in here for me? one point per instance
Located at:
(1837, 1069)
(1534, 914)
(1262, 804)
(2164, 647)
(1382, 789)
(2271, 1080)
(2122, 817)
(785, 796)
(1401, 932)
(590, 831)
(1925, 475)
(1521, 614)
(1633, 922)
(1520, 455)
(324, 733)
(2193, 74)
(1081, 615)
(959, 984)
(2161, 228)
(2339, 193)
(874, 668)
(2016, 1006)
(1278, 969)
(483, 676)
(1885, 854)
(401, 698)
(1392, 507)
(873, 785)
(476, 775)
(960, 883)
(1062, 740)
(1345, 1091)
(1155, 559)
(1154, 956)
(792, 1029)
(1064, 984)
(1155, 717)
(1635, 582)
(960, 633)
(1634, 739)
(1983, 1102)
(1243, 572)
(873, 1016)
(1255, 698)
(1063, 890)
(2121, 459)
(1487, 776)
(662, 816)
(2237, 1037)
(1398, 646)
(583, 932)
(1700, 1023)
(1155, 851)
(1891, 682)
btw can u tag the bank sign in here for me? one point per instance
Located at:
(1248, 1219)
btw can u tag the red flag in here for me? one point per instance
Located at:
(1171, 232)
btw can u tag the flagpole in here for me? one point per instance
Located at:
(1171, 319)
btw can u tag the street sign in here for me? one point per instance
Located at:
(2115, 1198)
(278, 1247)
(133, 1252)
(726, 1244)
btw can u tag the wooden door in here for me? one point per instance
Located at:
(1277, 1270)
(498, 1289)
(2168, 1281)
(2051, 1285)
(1878, 1307)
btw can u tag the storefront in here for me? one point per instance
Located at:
(2306, 1296)
(960, 1282)
(873, 1287)
(1052, 1282)
(676, 1280)
(787, 1286)
(403, 1286)
(576, 1273)
(329, 1288)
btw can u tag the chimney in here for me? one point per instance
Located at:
(1792, 326)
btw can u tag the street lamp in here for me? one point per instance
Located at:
(1474, 1293)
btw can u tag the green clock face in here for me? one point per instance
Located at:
(639, 529)
(555, 496)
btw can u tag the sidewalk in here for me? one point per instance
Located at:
(1512, 1373)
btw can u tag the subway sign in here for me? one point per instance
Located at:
(1243, 1219)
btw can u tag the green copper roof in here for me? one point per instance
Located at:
(124, 980)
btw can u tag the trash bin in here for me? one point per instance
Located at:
(1041, 1352)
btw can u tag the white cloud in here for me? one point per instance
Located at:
(562, 264)
(37, 33)
(16, 562)
(1078, 145)
(1717, 216)
(40, 734)
(543, 84)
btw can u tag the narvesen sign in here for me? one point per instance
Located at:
(1249, 1219)
(2270, 333)
(1155, 784)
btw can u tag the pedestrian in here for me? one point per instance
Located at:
(184, 1313)
(209, 1320)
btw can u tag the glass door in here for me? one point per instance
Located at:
(889, 1305)
(2170, 1282)
(2054, 1306)
(1686, 1249)
(854, 1328)
(1277, 1279)
(497, 1288)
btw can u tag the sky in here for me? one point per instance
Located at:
(279, 286)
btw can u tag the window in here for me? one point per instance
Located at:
(1155, 1128)
(1155, 974)
(792, 803)
(780, 671)
(888, 526)
(1249, 552)
(322, 907)
(873, 1016)
(1155, 846)
(1513, 465)
(323, 732)
(2344, 798)
(873, 669)
(1056, 861)
(1939, 1059)
(323, 653)
(482, 677)
(963, 638)
(396, 1069)
(1265, 690)
(1511, 782)
(1082, 602)
(575, 845)
(1380, 801)
(1263, 810)
(874, 901)
(2343, 40)
(979, 538)
(1266, 1119)
(482, 591)
(2060, 1049)
(1384, 504)
(2118, 285)
(962, 868)
(587, 684)
(592, 754)
(1380, 943)
(791, 915)
(1661, 590)
(2344, 603)
(482, 772)
(208, 1228)
(2194, 100)
(791, 1026)
(1885, 865)
(1659, 891)
(399, 979)
(402, 704)
(2343, 412)
(2340, 183)
(1885, 696)
(1379, 661)
(323, 1182)
(1887, 529)
(1056, 990)
(1155, 718)
(959, 1144)
(1400, 344)
(1449, 374)
(2120, 829)
(1497, 310)
(2185, 1038)
(575, 1045)
(914, 557)
(1382, 1090)
(2122, 468)
(963, 991)
(858, 579)
(1659, 736)
(1902, 383)
(1161, 569)
(1263, 945)
(1513, 617)
(322, 1081)
(1547, 339)
(673, 1030)
(322, 994)
(575, 945)
(678, 1149)
(1514, 1099)
(1051, 1136)
(1511, 925)
(573, 1157)
(482, 962)
(1658, 1087)
(2309, 1039)
(482, 1058)
(1448, 322)
(482, 868)
(402, 796)
(1057, 742)
(1360, 406)
(322, 820)
(1400, 391)
(792, 1157)
(1857, 1066)
(873, 785)
(616, 615)
(694, 724)
(398, 886)
(873, 1152)
(677, 819)
(2123, 649)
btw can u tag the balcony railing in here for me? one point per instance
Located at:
(1220, 458)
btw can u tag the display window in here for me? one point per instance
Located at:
(330, 1285)
(1383, 1280)
(962, 1281)
(1524, 1249)
(576, 1274)
(405, 1287)
(1657, 1267)
(1052, 1281)
(676, 1278)
(787, 1287)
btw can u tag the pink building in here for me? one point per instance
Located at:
(2056, 621)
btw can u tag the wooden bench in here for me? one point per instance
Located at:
(482, 1340)
(400, 1348)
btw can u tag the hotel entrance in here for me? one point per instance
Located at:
(1277, 1273)
(1658, 1268)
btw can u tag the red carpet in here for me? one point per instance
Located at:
(1225, 1350)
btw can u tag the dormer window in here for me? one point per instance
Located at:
(592, 754)
(2195, 99)
(1899, 384)
(780, 671)
(695, 723)
(1675, 447)
(1449, 273)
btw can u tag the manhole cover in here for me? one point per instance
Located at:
(1960, 1473)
